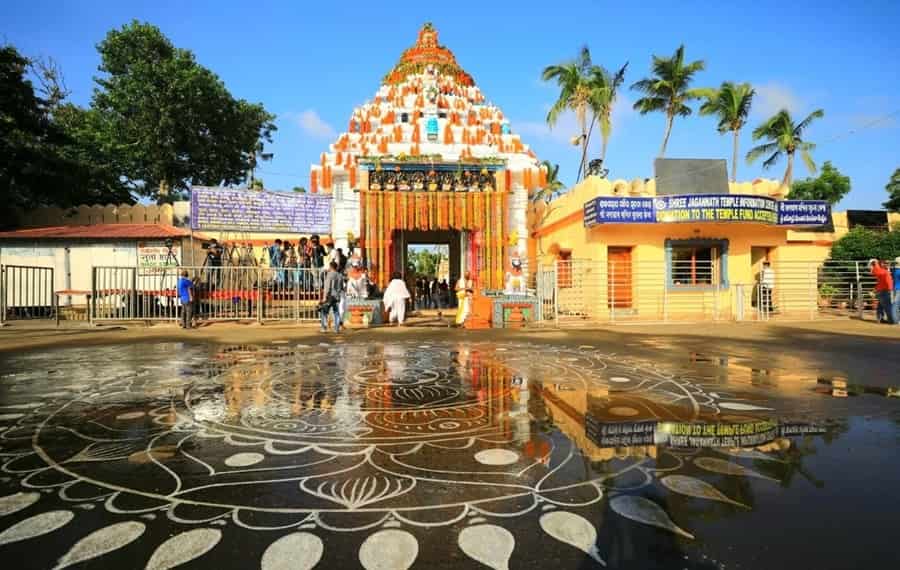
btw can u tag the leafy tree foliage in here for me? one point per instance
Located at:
(830, 185)
(426, 262)
(168, 121)
(863, 243)
(668, 90)
(893, 190)
(43, 158)
(784, 137)
(730, 103)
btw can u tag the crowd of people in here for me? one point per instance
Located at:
(286, 257)
(431, 293)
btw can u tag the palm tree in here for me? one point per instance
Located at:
(731, 104)
(784, 137)
(554, 185)
(668, 90)
(573, 78)
(604, 89)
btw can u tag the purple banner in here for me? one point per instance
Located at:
(241, 210)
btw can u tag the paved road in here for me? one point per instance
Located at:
(272, 447)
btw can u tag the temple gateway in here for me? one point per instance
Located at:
(430, 161)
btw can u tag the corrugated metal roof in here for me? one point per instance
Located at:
(100, 231)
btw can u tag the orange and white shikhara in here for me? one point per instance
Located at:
(430, 160)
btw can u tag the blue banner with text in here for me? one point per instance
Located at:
(717, 208)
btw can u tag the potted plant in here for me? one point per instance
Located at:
(826, 294)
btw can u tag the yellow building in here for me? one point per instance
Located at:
(682, 262)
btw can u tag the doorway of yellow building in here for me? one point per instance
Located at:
(618, 278)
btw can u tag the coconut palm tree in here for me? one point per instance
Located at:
(784, 138)
(604, 88)
(731, 104)
(554, 186)
(574, 79)
(668, 89)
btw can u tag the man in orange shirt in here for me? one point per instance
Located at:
(884, 284)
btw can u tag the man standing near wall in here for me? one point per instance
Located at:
(897, 290)
(767, 286)
(186, 295)
(883, 288)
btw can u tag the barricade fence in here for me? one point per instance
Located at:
(220, 293)
(573, 292)
(26, 292)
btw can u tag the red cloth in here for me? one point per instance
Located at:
(884, 282)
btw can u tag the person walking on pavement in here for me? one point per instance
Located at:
(395, 297)
(186, 295)
(330, 298)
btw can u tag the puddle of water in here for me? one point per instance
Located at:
(343, 438)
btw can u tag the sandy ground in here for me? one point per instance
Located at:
(867, 351)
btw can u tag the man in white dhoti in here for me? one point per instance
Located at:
(395, 297)
(465, 288)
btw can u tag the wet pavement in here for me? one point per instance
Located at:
(442, 454)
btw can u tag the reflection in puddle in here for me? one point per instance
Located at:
(343, 440)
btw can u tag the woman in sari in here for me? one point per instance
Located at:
(464, 290)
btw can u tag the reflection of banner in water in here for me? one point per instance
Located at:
(615, 434)
(693, 435)
(243, 210)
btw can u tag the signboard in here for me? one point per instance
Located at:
(154, 256)
(611, 210)
(699, 208)
(803, 213)
(241, 210)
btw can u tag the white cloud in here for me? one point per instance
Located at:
(772, 97)
(312, 124)
(869, 121)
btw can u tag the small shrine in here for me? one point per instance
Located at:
(430, 160)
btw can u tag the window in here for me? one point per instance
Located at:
(693, 264)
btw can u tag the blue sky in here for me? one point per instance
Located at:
(312, 62)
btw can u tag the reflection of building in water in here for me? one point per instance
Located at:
(567, 407)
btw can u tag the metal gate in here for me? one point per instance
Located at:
(26, 292)
(546, 293)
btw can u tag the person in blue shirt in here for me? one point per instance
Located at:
(186, 295)
(897, 290)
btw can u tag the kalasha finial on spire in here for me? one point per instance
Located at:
(428, 36)
(428, 52)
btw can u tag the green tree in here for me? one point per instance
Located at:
(257, 184)
(554, 186)
(730, 103)
(862, 244)
(893, 190)
(668, 89)
(299, 189)
(426, 262)
(170, 121)
(784, 138)
(42, 162)
(574, 80)
(604, 88)
(830, 185)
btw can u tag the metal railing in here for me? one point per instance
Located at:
(26, 292)
(220, 293)
(582, 291)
